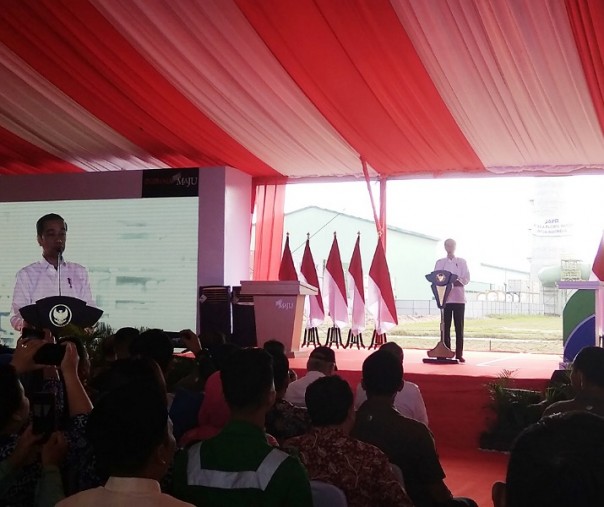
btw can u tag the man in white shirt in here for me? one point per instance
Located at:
(456, 303)
(321, 363)
(408, 401)
(41, 279)
(131, 436)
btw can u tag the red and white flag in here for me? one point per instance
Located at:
(316, 313)
(380, 298)
(598, 266)
(355, 280)
(287, 270)
(334, 286)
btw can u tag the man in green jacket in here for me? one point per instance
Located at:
(238, 467)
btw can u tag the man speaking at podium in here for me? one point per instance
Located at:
(455, 306)
(52, 275)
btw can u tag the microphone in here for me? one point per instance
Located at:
(59, 261)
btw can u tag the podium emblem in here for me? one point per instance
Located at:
(60, 315)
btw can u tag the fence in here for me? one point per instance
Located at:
(474, 309)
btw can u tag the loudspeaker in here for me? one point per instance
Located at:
(244, 321)
(215, 309)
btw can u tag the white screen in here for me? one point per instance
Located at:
(141, 256)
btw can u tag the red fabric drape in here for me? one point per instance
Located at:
(357, 64)
(270, 204)
(80, 52)
(587, 22)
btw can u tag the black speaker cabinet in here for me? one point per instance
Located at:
(215, 309)
(244, 323)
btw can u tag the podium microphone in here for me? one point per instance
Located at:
(59, 261)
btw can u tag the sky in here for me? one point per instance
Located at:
(490, 218)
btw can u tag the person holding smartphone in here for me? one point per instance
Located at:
(41, 279)
(28, 476)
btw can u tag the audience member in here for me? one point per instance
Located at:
(331, 455)
(284, 420)
(408, 401)
(154, 344)
(587, 380)
(407, 443)
(321, 363)
(238, 467)
(122, 341)
(557, 462)
(134, 446)
(29, 477)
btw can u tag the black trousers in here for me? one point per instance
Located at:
(456, 313)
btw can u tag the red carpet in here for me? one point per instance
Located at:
(456, 399)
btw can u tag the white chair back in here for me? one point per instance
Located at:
(327, 495)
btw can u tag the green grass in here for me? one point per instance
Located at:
(508, 327)
(501, 333)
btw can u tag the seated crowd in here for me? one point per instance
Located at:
(241, 430)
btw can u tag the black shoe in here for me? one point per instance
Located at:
(461, 359)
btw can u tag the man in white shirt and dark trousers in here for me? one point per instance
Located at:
(456, 303)
(321, 363)
(41, 279)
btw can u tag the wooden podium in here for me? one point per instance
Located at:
(278, 310)
(582, 317)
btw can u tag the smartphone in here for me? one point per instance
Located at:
(50, 354)
(30, 332)
(176, 339)
(44, 421)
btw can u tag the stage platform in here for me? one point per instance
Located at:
(457, 400)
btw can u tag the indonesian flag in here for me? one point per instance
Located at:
(380, 298)
(355, 280)
(316, 313)
(334, 286)
(287, 270)
(598, 267)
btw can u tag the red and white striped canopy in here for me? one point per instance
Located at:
(303, 88)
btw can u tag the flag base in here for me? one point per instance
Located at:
(311, 337)
(354, 339)
(334, 337)
(377, 340)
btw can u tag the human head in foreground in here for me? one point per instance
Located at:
(588, 369)
(322, 359)
(557, 462)
(247, 383)
(329, 401)
(382, 374)
(131, 433)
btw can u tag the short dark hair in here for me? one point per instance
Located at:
(41, 223)
(247, 377)
(125, 336)
(280, 368)
(558, 462)
(382, 373)
(328, 400)
(272, 346)
(156, 344)
(142, 372)
(124, 428)
(10, 393)
(394, 348)
(590, 362)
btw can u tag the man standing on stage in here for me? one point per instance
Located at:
(41, 279)
(456, 303)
